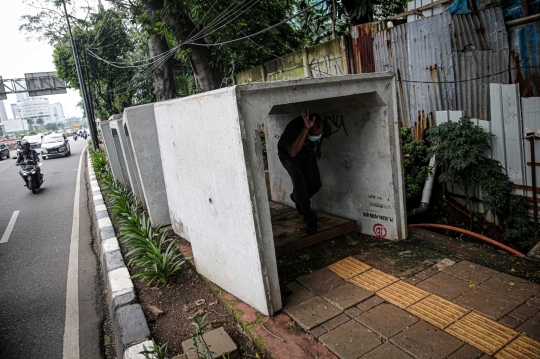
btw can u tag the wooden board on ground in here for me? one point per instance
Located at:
(288, 228)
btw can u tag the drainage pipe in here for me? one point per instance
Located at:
(472, 234)
(428, 189)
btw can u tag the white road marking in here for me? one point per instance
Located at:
(71, 327)
(9, 228)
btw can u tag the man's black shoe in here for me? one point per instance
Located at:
(311, 230)
(297, 206)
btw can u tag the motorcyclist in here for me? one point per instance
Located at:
(25, 154)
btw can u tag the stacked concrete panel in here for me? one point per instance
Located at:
(141, 134)
(214, 171)
(115, 162)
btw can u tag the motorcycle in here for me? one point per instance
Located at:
(29, 170)
(75, 137)
(85, 135)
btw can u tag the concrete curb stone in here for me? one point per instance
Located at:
(130, 328)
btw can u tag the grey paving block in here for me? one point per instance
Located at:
(423, 340)
(312, 313)
(387, 320)
(112, 260)
(350, 340)
(106, 233)
(387, 351)
(346, 295)
(318, 331)
(123, 300)
(336, 322)
(425, 274)
(445, 285)
(129, 328)
(510, 322)
(300, 295)
(219, 343)
(370, 303)
(102, 214)
(353, 312)
(466, 352)
(531, 327)
(523, 312)
(321, 281)
(511, 286)
(487, 302)
(471, 272)
(413, 280)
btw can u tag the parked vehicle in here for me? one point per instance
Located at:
(4, 151)
(55, 145)
(31, 171)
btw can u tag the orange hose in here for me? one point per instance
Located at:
(472, 234)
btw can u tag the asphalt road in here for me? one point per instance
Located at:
(34, 262)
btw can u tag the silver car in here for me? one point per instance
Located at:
(34, 141)
(55, 145)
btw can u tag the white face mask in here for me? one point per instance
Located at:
(315, 138)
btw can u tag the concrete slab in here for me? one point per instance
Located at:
(510, 322)
(206, 203)
(370, 303)
(336, 322)
(466, 352)
(118, 130)
(312, 313)
(423, 338)
(471, 272)
(531, 327)
(300, 295)
(141, 134)
(350, 341)
(219, 343)
(353, 312)
(346, 296)
(523, 312)
(413, 280)
(110, 148)
(511, 286)
(425, 274)
(387, 320)
(491, 304)
(445, 285)
(387, 351)
(318, 331)
(321, 281)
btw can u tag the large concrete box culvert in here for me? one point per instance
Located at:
(116, 159)
(214, 171)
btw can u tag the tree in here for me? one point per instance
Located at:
(40, 121)
(30, 124)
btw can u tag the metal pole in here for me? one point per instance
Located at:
(81, 82)
(89, 90)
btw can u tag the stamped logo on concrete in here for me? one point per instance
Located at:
(379, 230)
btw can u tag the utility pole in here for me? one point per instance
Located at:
(91, 123)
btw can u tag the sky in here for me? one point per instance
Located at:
(19, 55)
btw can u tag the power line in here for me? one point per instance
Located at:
(473, 79)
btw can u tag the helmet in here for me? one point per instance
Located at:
(25, 145)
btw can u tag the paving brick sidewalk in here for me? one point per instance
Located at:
(464, 310)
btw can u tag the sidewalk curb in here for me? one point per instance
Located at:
(131, 332)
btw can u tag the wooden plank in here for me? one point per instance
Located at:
(511, 106)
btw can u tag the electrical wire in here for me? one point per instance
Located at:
(467, 80)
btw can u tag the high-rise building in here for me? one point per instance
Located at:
(3, 113)
(57, 112)
(32, 108)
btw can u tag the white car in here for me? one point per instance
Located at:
(55, 145)
(34, 141)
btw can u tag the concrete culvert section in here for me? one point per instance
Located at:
(215, 179)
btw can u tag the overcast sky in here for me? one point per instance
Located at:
(19, 56)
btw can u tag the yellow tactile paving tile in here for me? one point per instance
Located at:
(482, 332)
(438, 311)
(521, 348)
(373, 280)
(349, 267)
(402, 294)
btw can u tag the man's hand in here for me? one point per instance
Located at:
(16, 164)
(308, 123)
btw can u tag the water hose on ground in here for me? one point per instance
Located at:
(472, 234)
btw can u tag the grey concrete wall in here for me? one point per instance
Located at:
(356, 164)
(141, 134)
(130, 168)
(214, 171)
(119, 153)
(110, 147)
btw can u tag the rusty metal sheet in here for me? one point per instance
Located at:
(525, 56)
(362, 48)
(479, 48)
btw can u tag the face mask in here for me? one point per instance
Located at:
(314, 138)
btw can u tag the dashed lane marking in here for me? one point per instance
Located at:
(9, 227)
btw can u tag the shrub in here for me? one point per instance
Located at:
(415, 167)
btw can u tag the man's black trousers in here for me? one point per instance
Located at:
(306, 182)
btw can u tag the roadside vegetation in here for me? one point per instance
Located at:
(152, 255)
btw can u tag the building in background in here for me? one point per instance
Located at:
(14, 126)
(3, 113)
(57, 112)
(32, 108)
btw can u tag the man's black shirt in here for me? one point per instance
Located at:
(290, 134)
